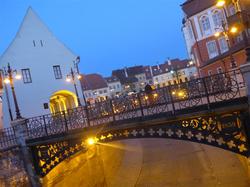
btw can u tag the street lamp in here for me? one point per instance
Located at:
(72, 76)
(8, 79)
(226, 31)
(76, 62)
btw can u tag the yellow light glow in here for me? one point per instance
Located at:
(146, 97)
(173, 93)
(155, 95)
(191, 62)
(91, 141)
(233, 30)
(6, 81)
(217, 34)
(79, 76)
(181, 94)
(68, 79)
(220, 3)
(18, 77)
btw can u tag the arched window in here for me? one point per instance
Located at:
(217, 18)
(205, 25)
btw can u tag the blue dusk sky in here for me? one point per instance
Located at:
(106, 34)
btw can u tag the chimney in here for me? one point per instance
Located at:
(151, 71)
(126, 73)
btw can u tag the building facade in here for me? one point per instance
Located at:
(114, 85)
(43, 63)
(95, 88)
(216, 33)
(173, 72)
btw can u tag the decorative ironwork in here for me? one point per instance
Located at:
(198, 92)
(225, 131)
(48, 156)
(7, 138)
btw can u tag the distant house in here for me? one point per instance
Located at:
(114, 85)
(133, 79)
(95, 88)
(43, 62)
(173, 72)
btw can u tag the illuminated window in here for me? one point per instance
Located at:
(26, 75)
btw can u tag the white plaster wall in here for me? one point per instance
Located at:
(113, 91)
(22, 54)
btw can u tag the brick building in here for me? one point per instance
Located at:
(216, 36)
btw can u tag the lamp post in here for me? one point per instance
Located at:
(76, 62)
(70, 76)
(9, 80)
(226, 32)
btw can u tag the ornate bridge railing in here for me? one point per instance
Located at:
(186, 97)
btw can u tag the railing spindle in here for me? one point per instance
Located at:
(140, 104)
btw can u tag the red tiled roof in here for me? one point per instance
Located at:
(192, 7)
(93, 82)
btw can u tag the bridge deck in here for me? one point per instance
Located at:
(224, 92)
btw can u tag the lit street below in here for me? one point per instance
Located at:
(151, 162)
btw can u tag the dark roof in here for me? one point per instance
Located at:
(111, 79)
(174, 64)
(192, 7)
(93, 82)
(135, 70)
(131, 72)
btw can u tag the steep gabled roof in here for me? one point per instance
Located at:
(33, 28)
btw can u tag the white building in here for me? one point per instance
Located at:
(115, 86)
(44, 62)
(172, 72)
(95, 88)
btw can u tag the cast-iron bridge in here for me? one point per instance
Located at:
(211, 110)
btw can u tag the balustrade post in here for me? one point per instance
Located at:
(20, 127)
(87, 114)
(112, 109)
(206, 93)
(45, 126)
(140, 103)
(171, 98)
(65, 121)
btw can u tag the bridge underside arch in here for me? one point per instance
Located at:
(224, 131)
